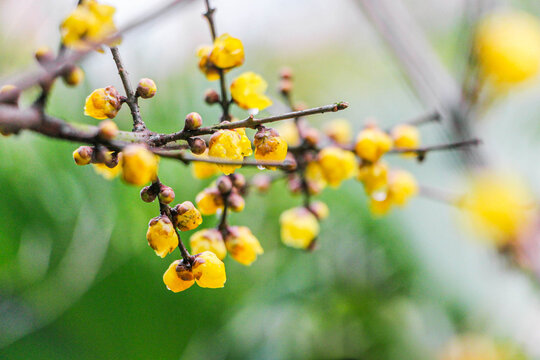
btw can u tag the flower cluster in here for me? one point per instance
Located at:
(309, 159)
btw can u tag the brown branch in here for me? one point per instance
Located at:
(450, 146)
(138, 123)
(250, 122)
(57, 67)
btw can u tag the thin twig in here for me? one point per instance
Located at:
(250, 122)
(450, 146)
(224, 101)
(57, 67)
(131, 96)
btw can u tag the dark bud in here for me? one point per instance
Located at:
(262, 182)
(193, 121)
(285, 86)
(289, 164)
(146, 88)
(166, 194)
(236, 202)
(295, 185)
(286, 73)
(224, 184)
(211, 97)
(44, 55)
(239, 181)
(197, 145)
(102, 155)
(9, 94)
(147, 194)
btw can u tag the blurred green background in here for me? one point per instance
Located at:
(78, 280)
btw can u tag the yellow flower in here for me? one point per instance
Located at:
(103, 103)
(74, 76)
(339, 130)
(337, 165)
(108, 172)
(161, 236)
(139, 165)
(209, 201)
(315, 177)
(299, 227)
(269, 146)
(186, 217)
(372, 143)
(173, 279)
(498, 205)
(229, 145)
(247, 90)
(401, 187)
(203, 170)
(227, 52)
(406, 136)
(507, 45)
(243, 245)
(475, 347)
(379, 206)
(374, 176)
(83, 155)
(209, 271)
(289, 132)
(205, 65)
(208, 240)
(89, 23)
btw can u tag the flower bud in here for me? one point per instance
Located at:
(289, 164)
(146, 88)
(238, 181)
(162, 236)
(74, 76)
(269, 146)
(148, 194)
(285, 86)
(286, 73)
(197, 145)
(209, 271)
(312, 136)
(193, 121)
(236, 202)
(166, 194)
(294, 184)
(9, 94)
(175, 280)
(102, 155)
(107, 129)
(186, 216)
(224, 184)
(211, 97)
(83, 155)
(320, 209)
(209, 201)
(44, 55)
(262, 182)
